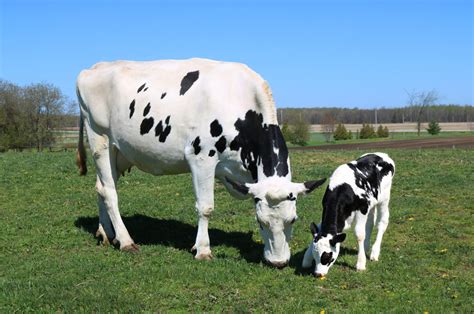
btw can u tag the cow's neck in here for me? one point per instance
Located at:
(263, 150)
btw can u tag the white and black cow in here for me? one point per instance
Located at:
(358, 190)
(210, 118)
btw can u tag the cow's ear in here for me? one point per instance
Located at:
(310, 186)
(338, 238)
(314, 228)
(242, 188)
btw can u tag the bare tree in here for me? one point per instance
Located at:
(419, 101)
(328, 125)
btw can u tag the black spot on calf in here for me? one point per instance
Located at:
(221, 144)
(188, 81)
(216, 128)
(159, 128)
(212, 153)
(196, 146)
(140, 88)
(147, 109)
(132, 108)
(163, 95)
(146, 125)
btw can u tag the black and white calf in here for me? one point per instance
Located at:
(357, 190)
(213, 119)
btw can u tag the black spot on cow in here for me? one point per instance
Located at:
(132, 108)
(146, 125)
(146, 88)
(188, 81)
(162, 131)
(221, 144)
(212, 153)
(196, 146)
(326, 258)
(140, 88)
(261, 145)
(159, 128)
(216, 128)
(147, 109)
(163, 95)
(165, 134)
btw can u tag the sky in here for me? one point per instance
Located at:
(338, 53)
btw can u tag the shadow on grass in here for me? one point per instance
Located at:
(169, 232)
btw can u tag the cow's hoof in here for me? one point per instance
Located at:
(131, 248)
(204, 256)
(100, 234)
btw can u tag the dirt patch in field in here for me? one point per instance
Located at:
(456, 142)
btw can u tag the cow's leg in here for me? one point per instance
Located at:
(203, 171)
(105, 158)
(106, 230)
(382, 223)
(359, 231)
(369, 226)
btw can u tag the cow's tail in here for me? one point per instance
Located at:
(81, 151)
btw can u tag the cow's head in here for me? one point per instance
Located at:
(325, 249)
(275, 202)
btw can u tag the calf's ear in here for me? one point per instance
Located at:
(314, 228)
(337, 239)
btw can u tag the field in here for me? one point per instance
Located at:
(50, 260)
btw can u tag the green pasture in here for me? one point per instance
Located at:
(51, 262)
(319, 139)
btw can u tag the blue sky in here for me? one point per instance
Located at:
(360, 53)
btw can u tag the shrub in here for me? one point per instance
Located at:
(287, 133)
(433, 128)
(367, 131)
(382, 131)
(341, 133)
(300, 134)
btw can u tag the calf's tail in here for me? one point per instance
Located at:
(81, 151)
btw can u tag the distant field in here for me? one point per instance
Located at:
(50, 261)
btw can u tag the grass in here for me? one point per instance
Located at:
(50, 261)
(319, 139)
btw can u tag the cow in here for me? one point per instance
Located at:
(213, 119)
(357, 190)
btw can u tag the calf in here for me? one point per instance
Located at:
(355, 190)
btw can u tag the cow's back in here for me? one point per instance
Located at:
(153, 110)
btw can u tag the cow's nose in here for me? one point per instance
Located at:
(319, 275)
(278, 265)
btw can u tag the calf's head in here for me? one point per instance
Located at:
(275, 203)
(325, 249)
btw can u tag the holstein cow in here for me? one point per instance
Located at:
(210, 118)
(355, 191)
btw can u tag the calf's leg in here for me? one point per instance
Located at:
(359, 231)
(382, 223)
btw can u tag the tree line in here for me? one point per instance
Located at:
(30, 114)
(439, 113)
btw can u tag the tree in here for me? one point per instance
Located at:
(367, 131)
(29, 114)
(300, 134)
(341, 133)
(433, 128)
(418, 101)
(327, 126)
(382, 131)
